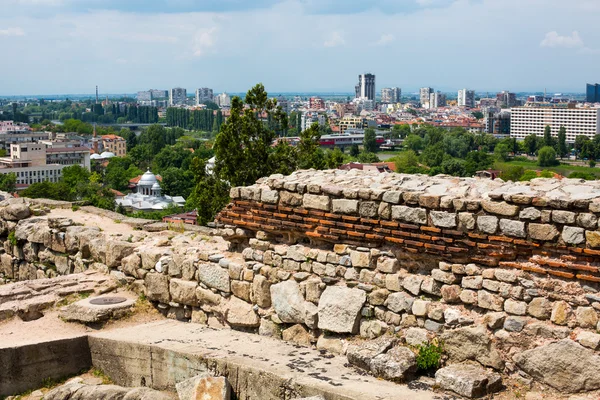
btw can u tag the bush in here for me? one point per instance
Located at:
(528, 175)
(583, 175)
(547, 157)
(12, 239)
(546, 174)
(429, 356)
(512, 173)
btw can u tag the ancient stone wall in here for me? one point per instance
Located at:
(545, 226)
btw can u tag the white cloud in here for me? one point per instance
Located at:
(12, 32)
(334, 40)
(553, 39)
(203, 41)
(385, 39)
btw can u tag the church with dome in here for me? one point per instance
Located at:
(147, 195)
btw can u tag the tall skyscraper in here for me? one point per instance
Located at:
(424, 94)
(177, 96)
(437, 99)
(365, 87)
(466, 98)
(592, 93)
(203, 95)
(391, 95)
(506, 99)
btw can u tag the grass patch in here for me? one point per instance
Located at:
(12, 238)
(75, 207)
(564, 169)
(98, 373)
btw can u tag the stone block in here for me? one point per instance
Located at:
(388, 265)
(288, 302)
(515, 307)
(241, 314)
(593, 238)
(410, 214)
(468, 380)
(361, 259)
(563, 217)
(472, 282)
(412, 283)
(420, 307)
(444, 277)
(540, 308)
(586, 317)
(466, 221)
(513, 228)
(183, 292)
(487, 224)
(545, 232)
(316, 202)
(500, 208)
(212, 275)
(530, 213)
(561, 313)
(368, 209)
(489, 301)
(573, 235)
(451, 293)
(443, 219)
(399, 302)
(344, 206)
(339, 309)
(261, 291)
(157, 287)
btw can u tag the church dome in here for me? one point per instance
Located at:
(95, 156)
(107, 154)
(148, 179)
(156, 186)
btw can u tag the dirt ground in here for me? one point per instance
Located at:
(106, 224)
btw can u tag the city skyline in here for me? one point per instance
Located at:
(66, 46)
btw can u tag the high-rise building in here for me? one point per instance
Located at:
(506, 99)
(578, 121)
(223, 100)
(159, 94)
(316, 103)
(177, 96)
(203, 95)
(391, 95)
(466, 98)
(437, 99)
(424, 94)
(144, 95)
(365, 87)
(592, 93)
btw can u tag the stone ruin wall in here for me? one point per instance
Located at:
(321, 258)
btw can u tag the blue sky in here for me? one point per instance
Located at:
(69, 46)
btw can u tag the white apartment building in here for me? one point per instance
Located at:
(466, 98)
(177, 96)
(223, 100)
(30, 162)
(534, 118)
(437, 100)
(424, 94)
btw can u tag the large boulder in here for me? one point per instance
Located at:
(468, 380)
(564, 365)
(157, 287)
(116, 251)
(204, 387)
(395, 365)
(339, 309)
(15, 212)
(183, 292)
(288, 302)
(472, 343)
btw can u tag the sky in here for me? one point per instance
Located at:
(70, 46)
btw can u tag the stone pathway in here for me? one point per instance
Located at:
(242, 354)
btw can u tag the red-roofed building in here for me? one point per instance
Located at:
(114, 144)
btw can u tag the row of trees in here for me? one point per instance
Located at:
(200, 120)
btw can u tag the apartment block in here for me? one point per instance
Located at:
(365, 87)
(391, 95)
(177, 96)
(466, 98)
(424, 94)
(533, 119)
(114, 144)
(203, 95)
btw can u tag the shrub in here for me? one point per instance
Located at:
(75, 207)
(528, 175)
(547, 157)
(429, 356)
(583, 175)
(12, 239)
(546, 174)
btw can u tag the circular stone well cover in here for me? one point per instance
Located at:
(106, 301)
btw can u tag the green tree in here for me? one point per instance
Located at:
(8, 182)
(209, 194)
(547, 156)
(308, 151)
(502, 151)
(528, 175)
(354, 150)
(512, 173)
(454, 167)
(561, 146)
(366, 157)
(407, 162)
(370, 141)
(477, 114)
(177, 182)
(548, 139)
(334, 158)
(531, 144)
(413, 142)
(578, 145)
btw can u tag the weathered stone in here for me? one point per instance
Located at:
(513, 228)
(240, 313)
(368, 209)
(339, 309)
(514, 324)
(515, 307)
(361, 355)
(344, 206)
(433, 326)
(412, 283)
(392, 197)
(468, 296)
(206, 297)
(540, 308)
(288, 302)
(296, 334)
(183, 292)
(371, 329)
(586, 317)
(451, 293)
(495, 320)
(489, 301)
(388, 265)
(530, 213)
(564, 365)
(487, 224)
(214, 276)
(204, 387)
(573, 235)
(587, 220)
(431, 286)
(500, 208)
(409, 214)
(542, 231)
(290, 199)
(157, 287)
(466, 221)
(471, 343)
(593, 238)
(399, 302)
(378, 297)
(333, 345)
(472, 282)
(589, 339)
(443, 219)
(269, 196)
(467, 380)
(241, 290)
(506, 275)
(15, 212)
(261, 291)
(269, 328)
(416, 336)
(563, 217)
(442, 276)
(316, 202)
(396, 364)
(361, 259)
(561, 313)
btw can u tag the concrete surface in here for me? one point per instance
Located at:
(161, 354)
